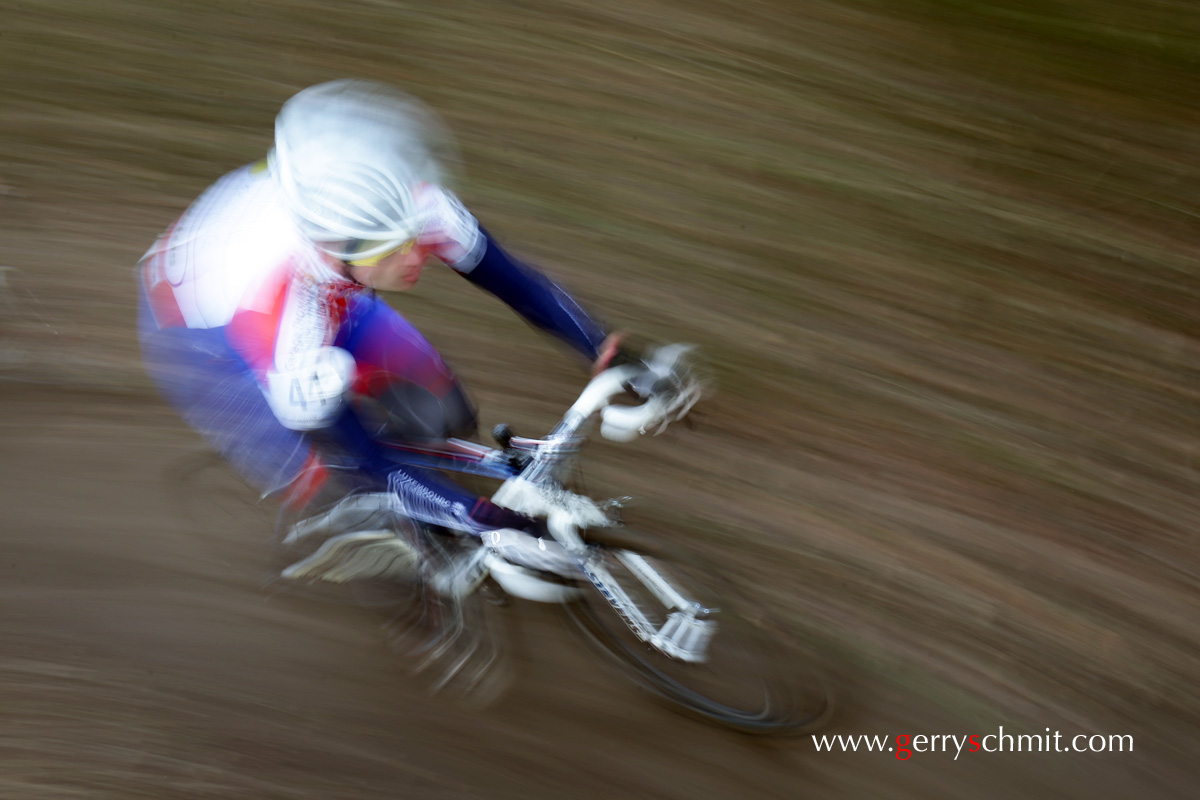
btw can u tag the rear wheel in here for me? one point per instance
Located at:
(751, 678)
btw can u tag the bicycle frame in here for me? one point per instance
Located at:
(546, 455)
(532, 489)
(455, 455)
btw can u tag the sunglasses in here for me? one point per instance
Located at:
(371, 261)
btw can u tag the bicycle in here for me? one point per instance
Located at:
(653, 610)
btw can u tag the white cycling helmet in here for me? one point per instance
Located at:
(347, 156)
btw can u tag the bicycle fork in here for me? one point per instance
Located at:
(686, 632)
(684, 635)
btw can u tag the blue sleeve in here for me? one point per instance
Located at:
(536, 298)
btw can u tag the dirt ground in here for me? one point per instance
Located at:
(943, 265)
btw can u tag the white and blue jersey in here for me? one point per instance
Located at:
(232, 292)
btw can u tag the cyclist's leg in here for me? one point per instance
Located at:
(425, 496)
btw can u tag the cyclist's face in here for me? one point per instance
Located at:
(397, 272)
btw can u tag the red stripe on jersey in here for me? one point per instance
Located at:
(163, 304)
(255, 326)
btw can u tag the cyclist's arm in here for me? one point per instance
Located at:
(543, 303)
(456, 237)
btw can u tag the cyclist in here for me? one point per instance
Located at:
(259, 318)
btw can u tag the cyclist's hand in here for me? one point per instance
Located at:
(668, 386)
(611, 353)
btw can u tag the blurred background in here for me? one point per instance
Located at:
(941, 256)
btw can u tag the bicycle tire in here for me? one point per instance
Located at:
(772, 689)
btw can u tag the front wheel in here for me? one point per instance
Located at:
(728, 665)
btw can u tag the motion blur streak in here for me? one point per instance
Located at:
(941, 255)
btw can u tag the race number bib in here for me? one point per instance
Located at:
(310, 394)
